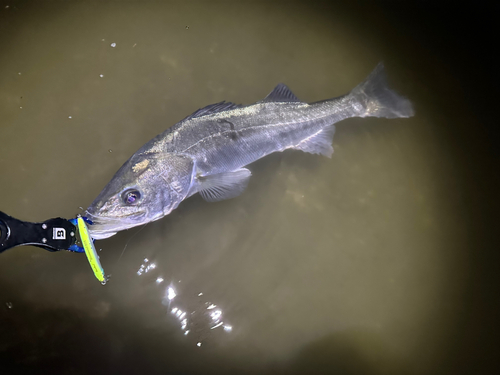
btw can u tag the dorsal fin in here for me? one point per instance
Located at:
(213, 108)
(281, 93)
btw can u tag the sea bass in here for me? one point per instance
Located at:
(207, 151)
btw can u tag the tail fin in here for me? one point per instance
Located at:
(378, 100)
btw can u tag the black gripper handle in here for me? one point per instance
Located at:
(52, 235)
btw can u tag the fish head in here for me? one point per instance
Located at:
(146, 188)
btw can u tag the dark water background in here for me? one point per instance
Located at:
(382, 260)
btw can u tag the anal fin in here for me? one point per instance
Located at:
(227, 185)
(319, 143)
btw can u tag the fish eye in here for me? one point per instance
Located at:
(131, 196)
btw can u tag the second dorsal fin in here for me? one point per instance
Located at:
(281, 93)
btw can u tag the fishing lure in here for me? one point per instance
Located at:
(89, 248)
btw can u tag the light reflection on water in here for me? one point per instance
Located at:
(196, 319)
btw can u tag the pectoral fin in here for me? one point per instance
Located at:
(223, 186)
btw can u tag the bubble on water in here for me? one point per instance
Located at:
(19, 73)
(110, 150)
(101, 75)
(102, 40)
(70, 116)
(7, 6)
(187, 27)
(9, 305)
(113, 45)
(198, 344)
(159, 280)
(20, 107)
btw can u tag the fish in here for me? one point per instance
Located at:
(207, 152)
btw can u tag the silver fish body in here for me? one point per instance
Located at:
(206, 152)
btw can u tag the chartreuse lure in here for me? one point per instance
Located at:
(89, 248)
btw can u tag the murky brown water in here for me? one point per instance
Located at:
(361, 264)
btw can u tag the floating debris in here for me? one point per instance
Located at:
(9, 305)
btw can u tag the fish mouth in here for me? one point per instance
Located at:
(104, 227)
